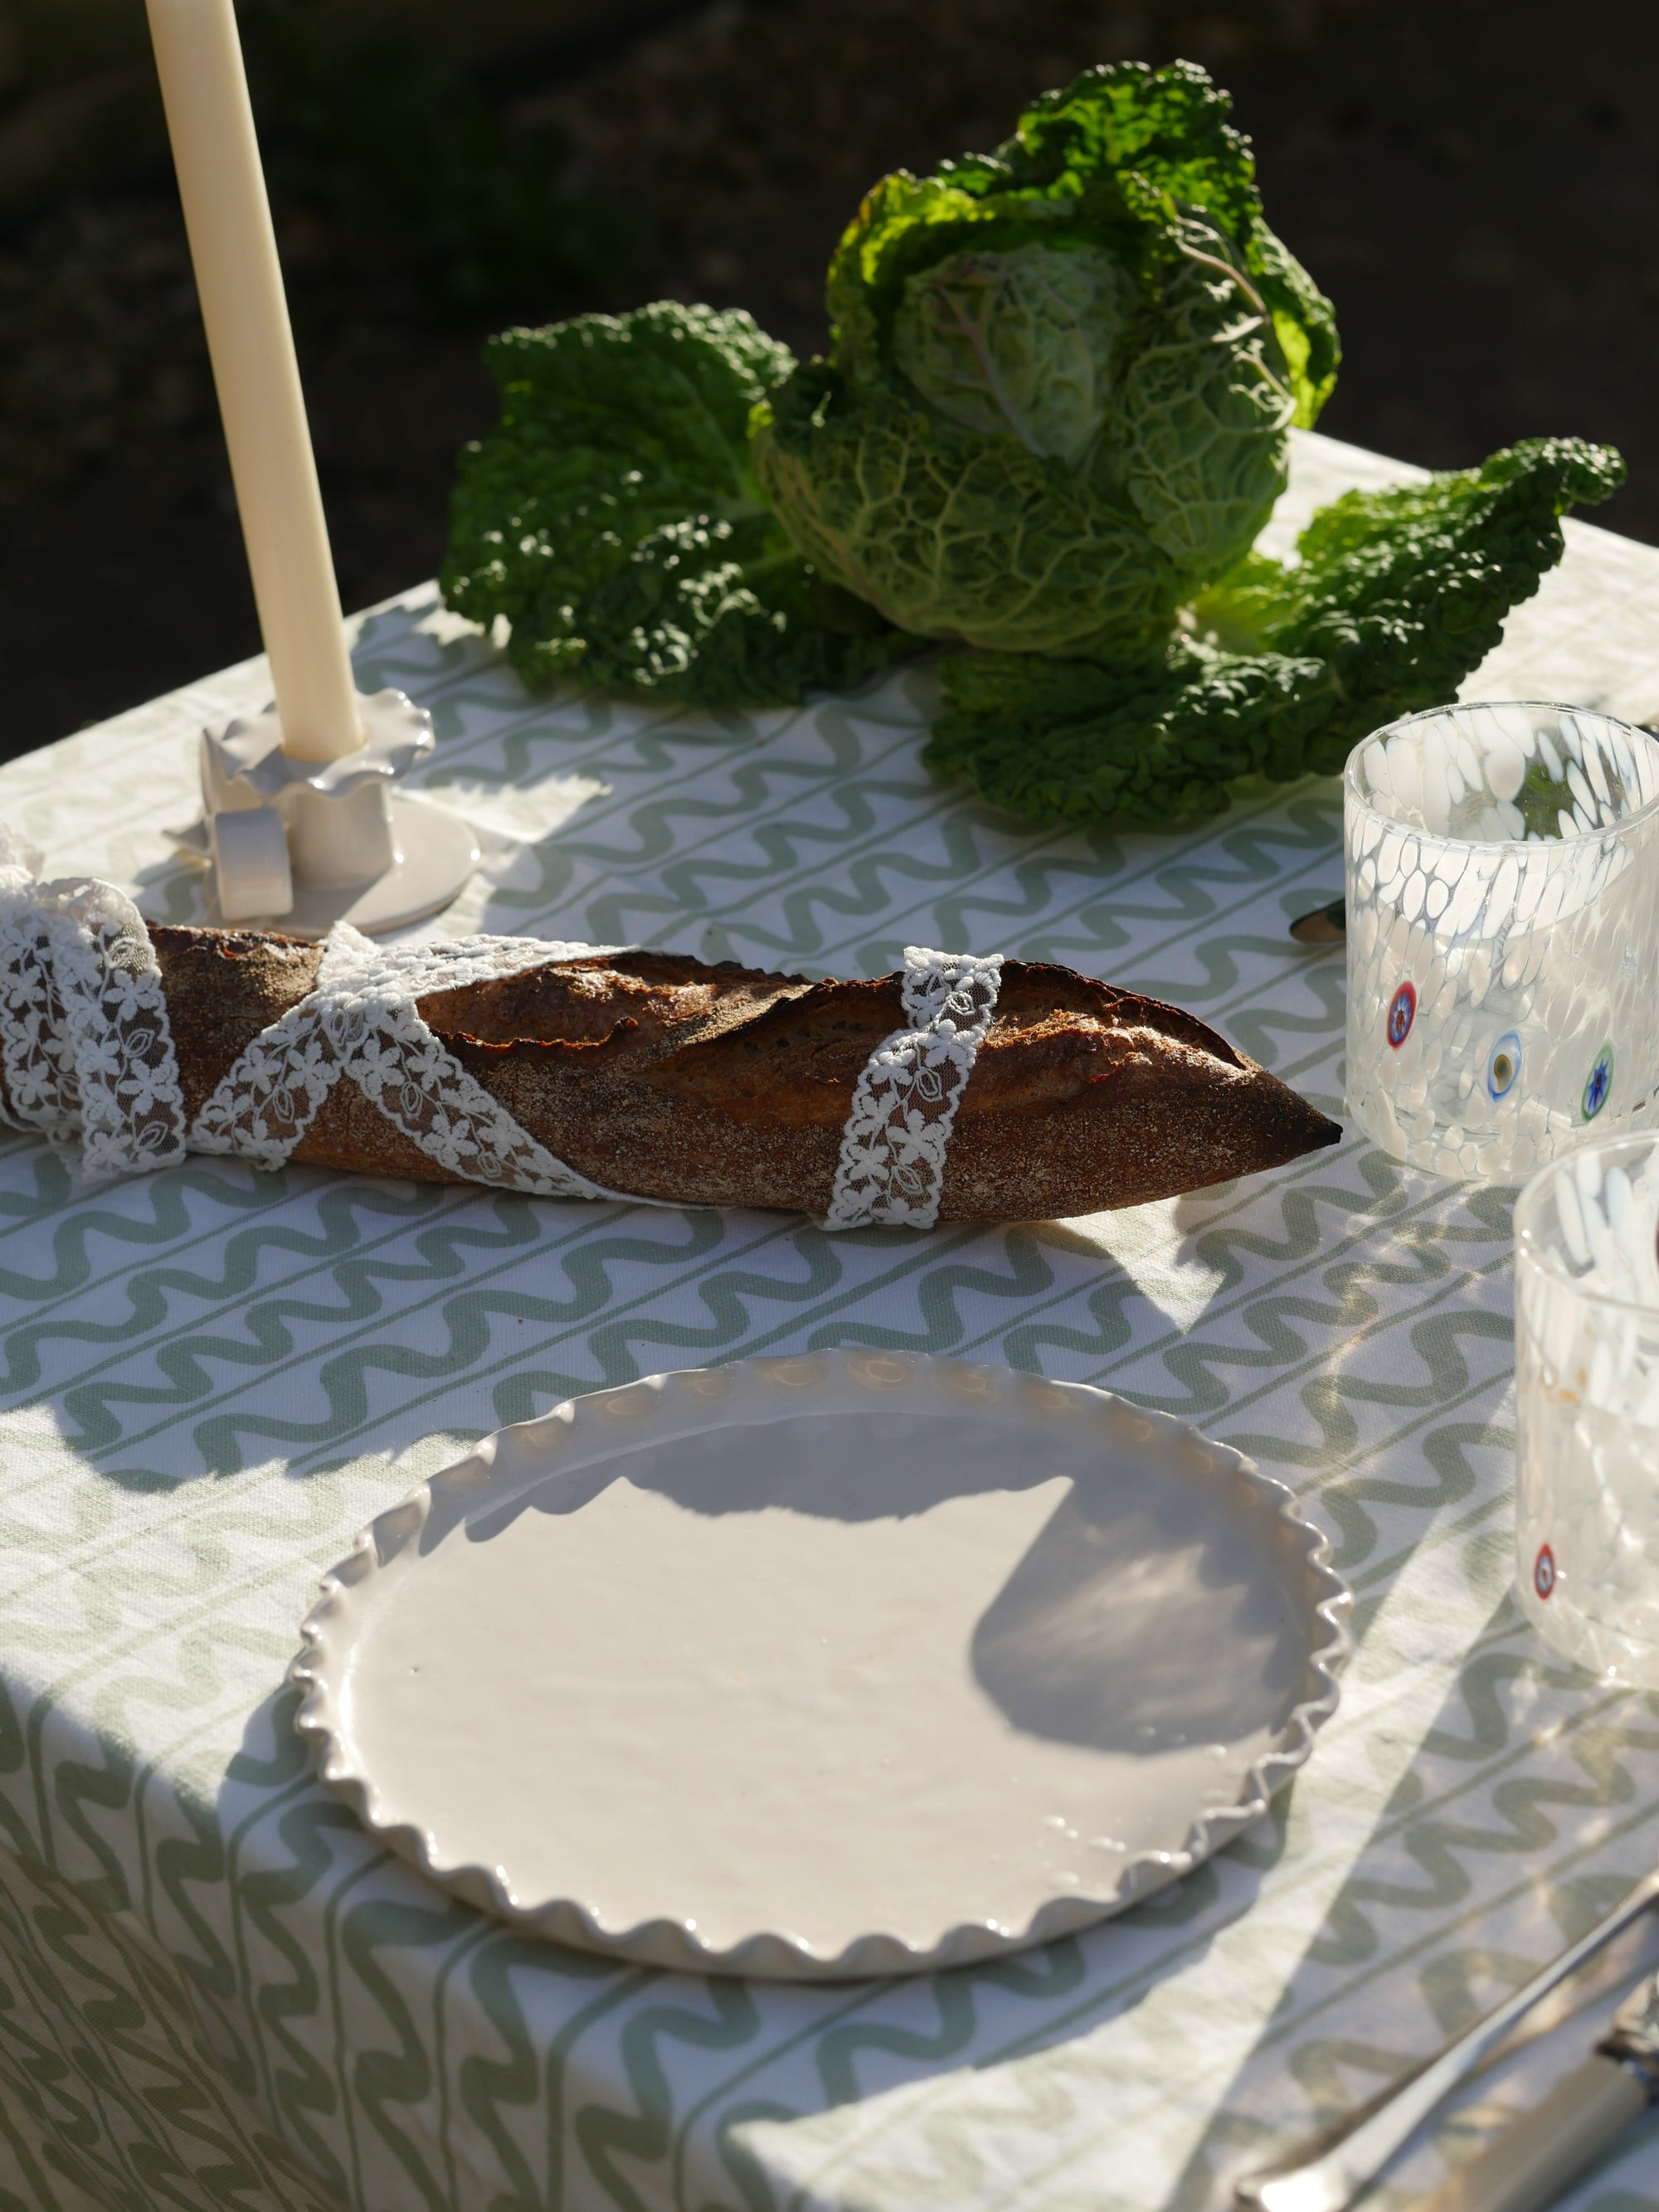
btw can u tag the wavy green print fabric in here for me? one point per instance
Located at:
(216, 1990)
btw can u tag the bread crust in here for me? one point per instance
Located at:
(663, 1076)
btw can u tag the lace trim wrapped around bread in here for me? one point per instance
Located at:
(652, 1075)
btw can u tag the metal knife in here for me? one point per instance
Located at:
(1326, 925)
(1329, 2170)
(1540, 2156)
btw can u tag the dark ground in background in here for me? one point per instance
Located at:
(1476, 186)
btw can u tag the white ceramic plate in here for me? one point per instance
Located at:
(848, 1664)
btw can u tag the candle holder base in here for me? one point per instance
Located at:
(296, 845)
(435, 853)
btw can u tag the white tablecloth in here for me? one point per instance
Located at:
(213, 1378)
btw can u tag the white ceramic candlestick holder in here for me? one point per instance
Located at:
(301, 838)
(298, 845)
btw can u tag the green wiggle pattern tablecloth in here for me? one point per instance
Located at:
(216, 1990)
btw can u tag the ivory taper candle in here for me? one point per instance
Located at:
(198, 58)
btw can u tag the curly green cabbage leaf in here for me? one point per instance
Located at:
(1062, 375)
(611, 518)
(1396, 597)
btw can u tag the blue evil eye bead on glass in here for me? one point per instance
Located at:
(1502, 897)
(1598, 1085)
(1503, 1066)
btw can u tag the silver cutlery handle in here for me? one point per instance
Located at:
(1330, 2170)
(1537, 2157)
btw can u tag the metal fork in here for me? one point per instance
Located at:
(1328, 2171)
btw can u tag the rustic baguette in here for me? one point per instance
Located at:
(659, 1075)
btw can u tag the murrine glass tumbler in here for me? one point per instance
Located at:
(1503, 932)
(1587, 1405)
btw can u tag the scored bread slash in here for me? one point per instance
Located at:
(662, 1076)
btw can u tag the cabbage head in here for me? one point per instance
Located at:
(1062, 377)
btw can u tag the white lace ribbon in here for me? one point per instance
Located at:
(361, 1020)
(87, 1054)
(85, 1044)
(87, 1049)
(898, 1137)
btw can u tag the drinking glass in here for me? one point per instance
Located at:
(1503, 932)
(1587, 1403)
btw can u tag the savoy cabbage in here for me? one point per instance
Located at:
(1061, 378)
(1054, 418)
